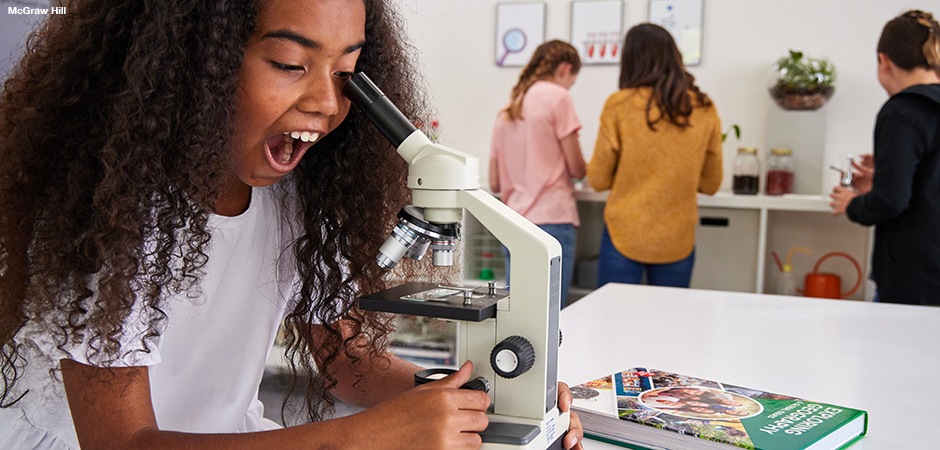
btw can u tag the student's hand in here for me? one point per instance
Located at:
(863, 174)
(432, 416)
(575, 432)
(840, 199)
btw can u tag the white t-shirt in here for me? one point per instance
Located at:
(206, 366)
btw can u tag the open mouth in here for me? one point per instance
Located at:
(285, 150)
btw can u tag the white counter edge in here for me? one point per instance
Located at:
(788, 202)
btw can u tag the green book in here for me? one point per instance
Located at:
(644, 408)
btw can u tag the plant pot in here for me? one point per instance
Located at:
(801, 99)
(800, 82)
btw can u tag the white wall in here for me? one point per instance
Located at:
(742, 39)
(13, 31)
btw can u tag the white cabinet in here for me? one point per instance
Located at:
(726, 249)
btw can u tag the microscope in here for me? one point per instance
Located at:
(512, 338)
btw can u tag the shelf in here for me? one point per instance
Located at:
(789, 202)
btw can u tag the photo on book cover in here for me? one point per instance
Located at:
(700, 403)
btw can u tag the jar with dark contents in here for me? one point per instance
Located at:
(745, 172)
(780, 172)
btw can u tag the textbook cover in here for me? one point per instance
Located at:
(644, 408)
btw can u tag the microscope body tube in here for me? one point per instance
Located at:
(362, 92)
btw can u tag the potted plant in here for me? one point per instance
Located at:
(801, 82)
(737, 132)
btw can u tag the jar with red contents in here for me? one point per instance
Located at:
(780, 172)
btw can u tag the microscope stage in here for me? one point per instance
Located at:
(396, 300)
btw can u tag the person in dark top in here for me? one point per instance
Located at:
(901, 196)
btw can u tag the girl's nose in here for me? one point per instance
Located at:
(320, 95)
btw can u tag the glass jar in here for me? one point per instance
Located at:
(780, 172)
(746, 171)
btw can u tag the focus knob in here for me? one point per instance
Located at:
(512, 357)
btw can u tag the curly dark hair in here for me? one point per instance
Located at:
(114, 130)
(650, 58)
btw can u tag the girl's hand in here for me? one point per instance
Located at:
(440, 415)
(575, 432)
(432, 416)
(840, 199)
(863, 175)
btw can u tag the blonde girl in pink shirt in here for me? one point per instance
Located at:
(535, 153)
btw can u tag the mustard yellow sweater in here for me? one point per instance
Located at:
(653, 176)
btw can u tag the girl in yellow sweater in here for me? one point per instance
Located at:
(658, 145)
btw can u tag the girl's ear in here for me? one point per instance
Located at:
(887, 71)
(563, 70)
(884, 62)
(885, 66)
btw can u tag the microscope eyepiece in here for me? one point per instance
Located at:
(363, 93)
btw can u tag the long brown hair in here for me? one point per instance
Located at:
(541, 66)
(113, 138)
(650, 58)
(912, 40)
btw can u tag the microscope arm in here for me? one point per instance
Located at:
(444, 181)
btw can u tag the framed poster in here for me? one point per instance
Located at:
(597, 30)
(520, 29)
(683, 19)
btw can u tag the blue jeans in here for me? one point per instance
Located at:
(613, 267)
(566, 235)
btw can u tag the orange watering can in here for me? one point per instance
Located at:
(829, 285)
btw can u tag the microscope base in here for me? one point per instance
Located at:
(519, 436)
(557, 445)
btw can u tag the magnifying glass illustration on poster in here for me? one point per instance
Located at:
(520, 28)
(513, 42)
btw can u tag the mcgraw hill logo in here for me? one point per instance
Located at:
(29, 11)
(33, 7)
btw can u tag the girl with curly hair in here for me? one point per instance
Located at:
(177, 179)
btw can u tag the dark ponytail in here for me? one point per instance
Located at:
(912, 40)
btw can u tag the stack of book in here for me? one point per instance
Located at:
(643, 408)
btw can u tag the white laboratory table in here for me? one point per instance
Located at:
(881, 358)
